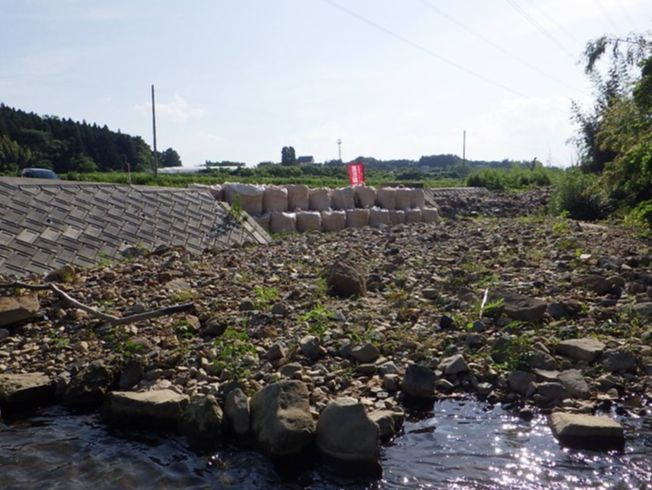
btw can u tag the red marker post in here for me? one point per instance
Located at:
(356, 173)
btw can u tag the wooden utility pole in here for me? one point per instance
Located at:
(154, 131)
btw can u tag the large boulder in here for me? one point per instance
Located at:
(346, 433)
(519, 307)
(584, 349)
(25, 390)
(17, 309)
(156, 407)
(389, 422)
(587, 431)
(281, 420)
(419, 382)
(201, 422)
(345, 280)
(89, 386)
(237, 413)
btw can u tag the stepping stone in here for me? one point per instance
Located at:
(587, 431)
(25, 390)
(584, 349)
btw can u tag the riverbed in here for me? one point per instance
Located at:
(459, 444)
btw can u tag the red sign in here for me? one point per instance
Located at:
(356, 173)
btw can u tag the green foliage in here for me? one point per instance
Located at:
(514, 353)
(318, 320)
(288, 156)
(579, 195)
(641, 217)
(232, 346)
(517, 177)
(183, 296)
(264, 296)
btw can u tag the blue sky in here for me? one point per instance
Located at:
(239, 79)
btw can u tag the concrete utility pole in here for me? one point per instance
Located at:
(154, 131)
(464, 146)
(339, 149)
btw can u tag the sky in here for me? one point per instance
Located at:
(239, 79)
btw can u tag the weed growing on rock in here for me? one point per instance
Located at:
(318, 320)
(232, 347)
(264, 296)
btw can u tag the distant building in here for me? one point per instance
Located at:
(306, 159)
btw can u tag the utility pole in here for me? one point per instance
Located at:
(154, 131)
(464, 146)
(339, 149)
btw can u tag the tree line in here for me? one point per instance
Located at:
(64, 145)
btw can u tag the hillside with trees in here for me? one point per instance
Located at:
(64, 145)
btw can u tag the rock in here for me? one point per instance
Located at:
(201, 422)
(365, 353)
(444, 385)
(391, 382)
(519, 307)
(419, 381)
(388, 368)
(597, 284)
(587, 431)
(236, 410)
(644, 310)
(389, 423)
(291, 369)
(453, 365)
(429, 293)
(542, 360)
(65, 273)
(214, 327)
(583, 349)
(18, 309)
(25, 390)
(279, 309)
(521, 382)
(574, 383)
(552, 391)
(275, 352)
(619, 360)
(345, 280)
(132, 372)
(152, 408)
(89, 386)
(446, 323)
(4, 333)
(309, 346)
(280, 418)
(346, 433)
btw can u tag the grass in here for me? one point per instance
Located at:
(232, 346)
(264, 296)
(318, 320)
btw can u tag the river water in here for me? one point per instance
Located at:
(460, 444)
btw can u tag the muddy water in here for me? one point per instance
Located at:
(458, 445)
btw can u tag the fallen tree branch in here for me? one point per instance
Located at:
(113, 320)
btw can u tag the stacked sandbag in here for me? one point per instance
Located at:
(402, 200)
(308, 221)
(430, 215)
(378, 217)
(357, 218)
(262, 220)
(217, 192)
(333, 220)
(413, 216)
(396, 217)
(281, 222)
(343, 198)
(319, 199)
(417, 199)
(386, 198)
(275, 199)
(298, 197)
(250, 197)
(365, 197)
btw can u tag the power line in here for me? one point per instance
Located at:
(488, 40)
(421, 48)
(626, 14)
(556, 24)
(540, 28)
(607, 17)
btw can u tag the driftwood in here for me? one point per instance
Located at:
(113, 320)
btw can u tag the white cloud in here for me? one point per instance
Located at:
(177, 110)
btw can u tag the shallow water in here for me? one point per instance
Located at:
(463, 445)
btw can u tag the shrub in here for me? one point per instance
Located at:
(579, 195)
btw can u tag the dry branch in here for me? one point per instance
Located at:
(113, 320)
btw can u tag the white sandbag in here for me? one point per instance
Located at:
(275, 199)
(250, 197)
(343, 198)
(403, 197)
(378, 217)
(333, 220)
(308, 221)
(386, 198)
(262, 220)
(417, 199)
(319, 199)
(413, 216)
(217, 192)
(430, 215)
(357, 218)
(298, 197)
(281, 222)
(365, 197)
(396, 217)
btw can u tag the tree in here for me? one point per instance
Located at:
(170, 158)
(288, 156)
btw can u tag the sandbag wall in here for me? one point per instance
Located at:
(299, 208)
